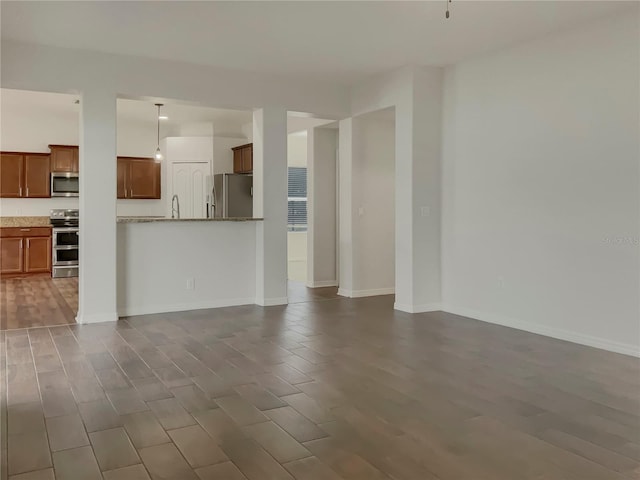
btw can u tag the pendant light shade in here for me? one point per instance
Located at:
(158, 155)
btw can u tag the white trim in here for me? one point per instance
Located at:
(270, 302)
(322, 283)
(97, 318)
(182, 307)
(366, 293)
(427, 307)
(574, 337)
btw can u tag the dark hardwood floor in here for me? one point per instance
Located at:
(324, 390)
(42, 301)
(299, 293)
(38, 301)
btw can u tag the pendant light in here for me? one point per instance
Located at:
(158, 152)
(447, 13)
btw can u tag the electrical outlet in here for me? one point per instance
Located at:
(191, 284)
(361, 211)
(425, 211)
(501, 283)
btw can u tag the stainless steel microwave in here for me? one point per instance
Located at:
(64, 184)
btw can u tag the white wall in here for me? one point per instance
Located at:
(297, 256)
(321, 207)
(373, 201)
(541, 186)
(297, 149)
(222, 153)
(416, 95)
(188, 250)
(297, 241)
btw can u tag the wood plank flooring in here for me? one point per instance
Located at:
(43, 301)
(37, 302)
(327, 390)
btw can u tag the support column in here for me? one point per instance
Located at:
(345, 209)
(97, 255)
(418, 186)
(270, 202)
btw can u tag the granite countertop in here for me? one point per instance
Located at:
(169, 219)
(24, 222)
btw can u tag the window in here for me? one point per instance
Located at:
(297, 199)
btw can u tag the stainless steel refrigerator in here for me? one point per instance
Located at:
(232, 196)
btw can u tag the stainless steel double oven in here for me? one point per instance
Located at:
(65, 229)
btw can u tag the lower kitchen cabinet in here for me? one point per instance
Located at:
(25, 250)
(11, 256)
(37, 255)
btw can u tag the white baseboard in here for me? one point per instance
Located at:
(366, 293)
(97, 318)
(270, 302)
(182, 307)
(560, 334)
(426, 307)
(322, 283)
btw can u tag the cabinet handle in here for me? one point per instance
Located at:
(25, 229)
(27, 191)
(20, 194)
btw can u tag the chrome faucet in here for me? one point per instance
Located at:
(175, 209)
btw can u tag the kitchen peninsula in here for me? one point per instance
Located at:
(171, 264)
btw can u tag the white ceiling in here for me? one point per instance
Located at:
(224, 121)
(332, 41)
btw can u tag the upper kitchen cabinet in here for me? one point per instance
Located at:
(25, 175)
(243, 158)
(11, 175)
(64, 158)
(138, 178)
(37, 174)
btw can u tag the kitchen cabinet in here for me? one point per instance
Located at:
(138, 178)
(243, 158)
(37, 175)
(25, 250)
(25, 175)
(37, 258)
(64, 158)
(11, 257)
(11, 175)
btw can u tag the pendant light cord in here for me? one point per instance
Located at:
(158, 124)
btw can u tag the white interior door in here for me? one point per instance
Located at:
(181, 181)
(199, 173)
(189, 182)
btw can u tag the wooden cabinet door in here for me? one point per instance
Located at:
(143, 178)
(11, 175)
(37, 176)
(123, 166)
(237, 161)
(64, 158)
(247, 159)
(76, 160)
(11, 258)
(37, 257)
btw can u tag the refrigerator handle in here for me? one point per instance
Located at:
(251, 191)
